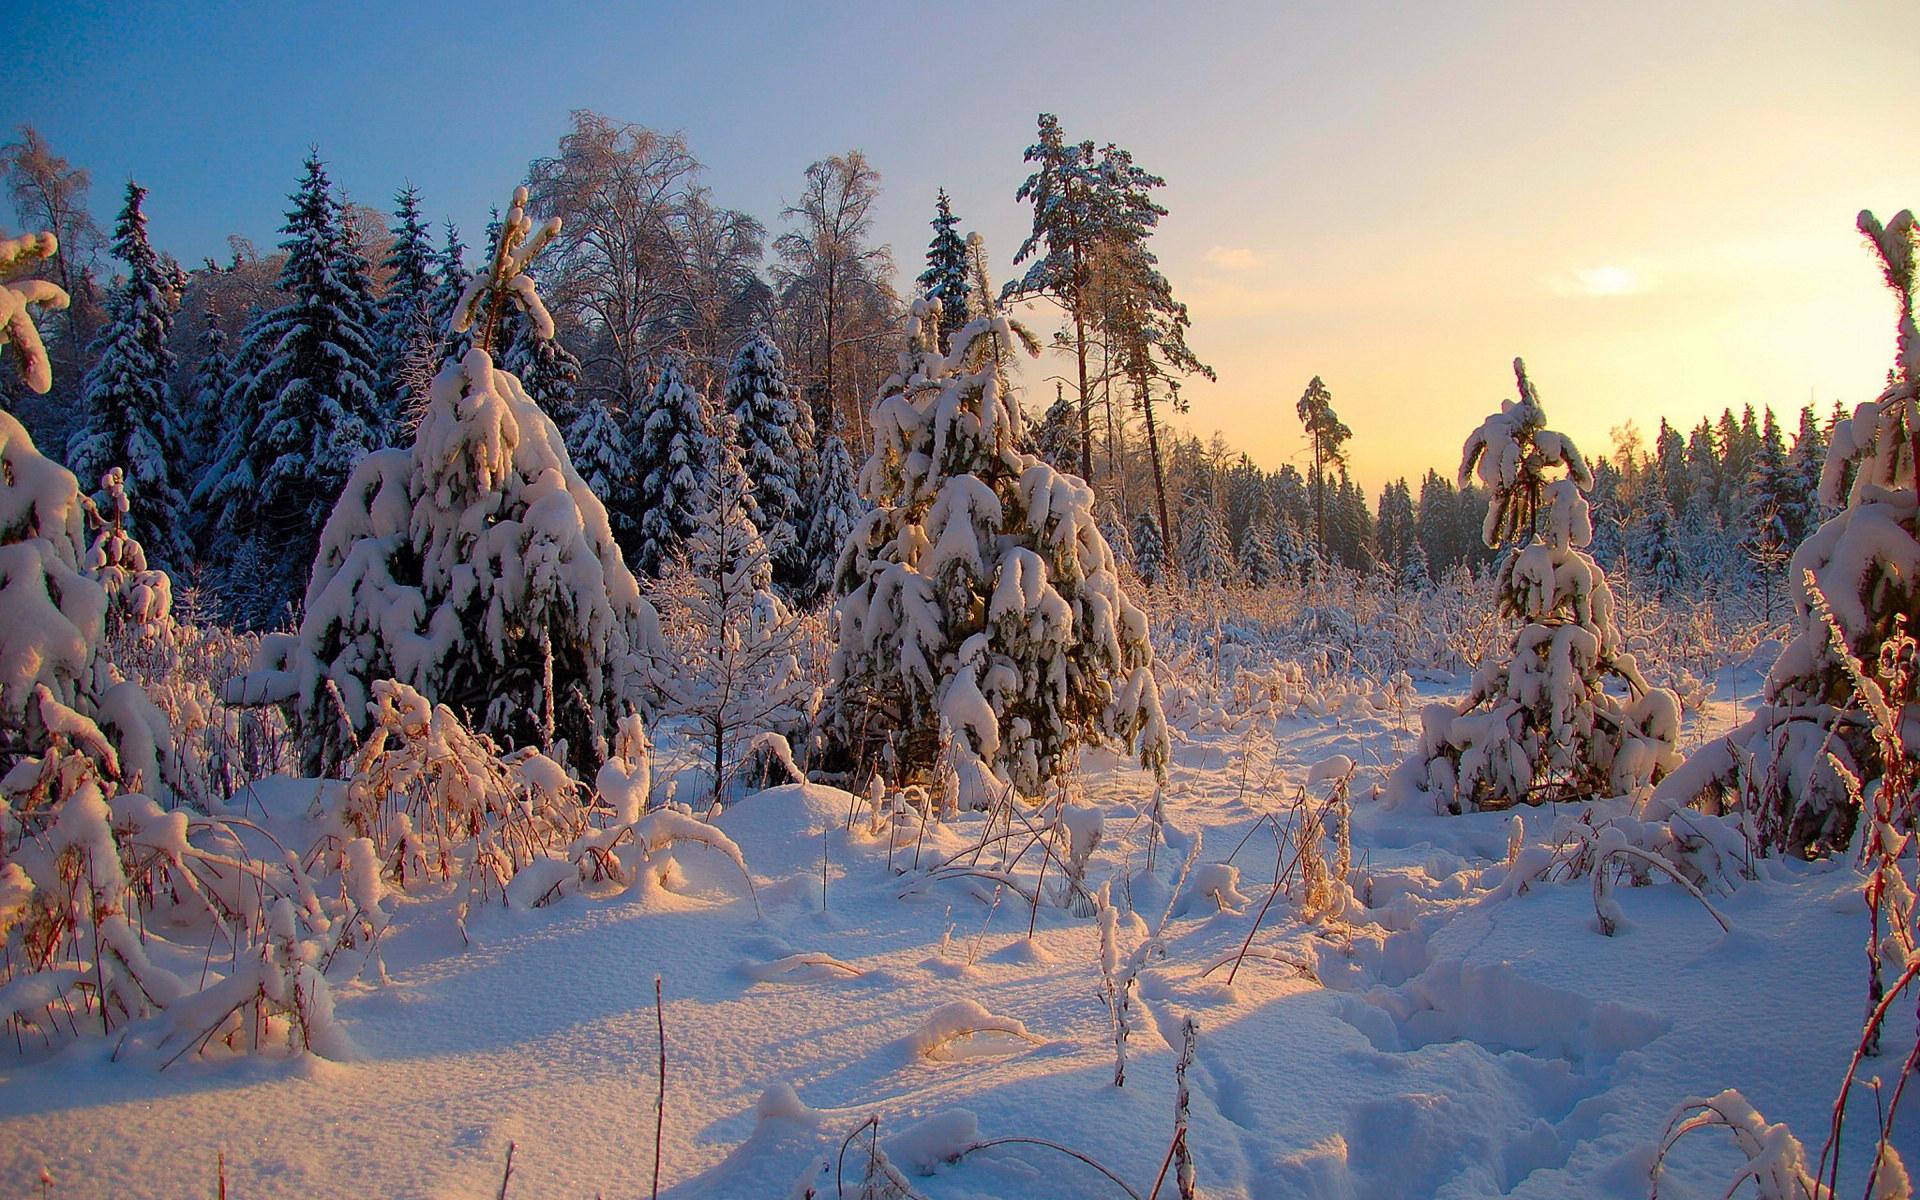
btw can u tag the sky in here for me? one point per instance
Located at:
(1654, 204)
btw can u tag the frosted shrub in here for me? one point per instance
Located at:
(1539, 722)
(1854, 581)
(979, 599)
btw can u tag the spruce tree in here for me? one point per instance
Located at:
(475, 566)
(1204, 554)
(834, 508)
(1256, 568)
(212, 381)
(1149, 553)
(448, 288)
(130, 420)
(406, 333)
(945, 279)
(546, 368)
(1654, 553)
(981, 622)
(767, 420)
(1565, 712)
(668, 432)
(1828, 730)
(306, 411)
(601, 455)
(1805, 462)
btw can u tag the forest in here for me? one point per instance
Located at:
(558, 699)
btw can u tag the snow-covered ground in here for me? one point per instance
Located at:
(1441, 1038)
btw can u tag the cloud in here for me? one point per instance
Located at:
(1233, 258)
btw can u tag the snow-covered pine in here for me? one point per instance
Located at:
(1204, 554)
(981, 619)
(1865, 564)
(1539, 722)
(834, 509)
(736, 673)
(472, 568)
(669, 433)
(945, 279)
(1149, 554)
(129, 418)
(305, 412)
(777, 454)
(406, 334)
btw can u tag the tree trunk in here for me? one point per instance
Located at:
(1159, 476)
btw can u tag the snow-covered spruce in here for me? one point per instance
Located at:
(833, 509)
(945, 280)
(129, 419)
(980, 615)
(476, 567)
(405, 336)
(304, 407)
(667, 432)
(775, 432)
(1865, 564)
(1539, 723)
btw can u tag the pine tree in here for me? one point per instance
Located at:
(669, 432)
(736, 672)
(945, 279)
(1149, 553)
(1327, 436)
(1811, 747)
(476, 567)
(406, 332)
(130, 419)
(767, 419)
(307, 409)
(834, 509)
(1542, 722)
(981, 621)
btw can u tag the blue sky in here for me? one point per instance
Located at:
(1652, 203)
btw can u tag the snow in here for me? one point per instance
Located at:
(1465, 1039)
